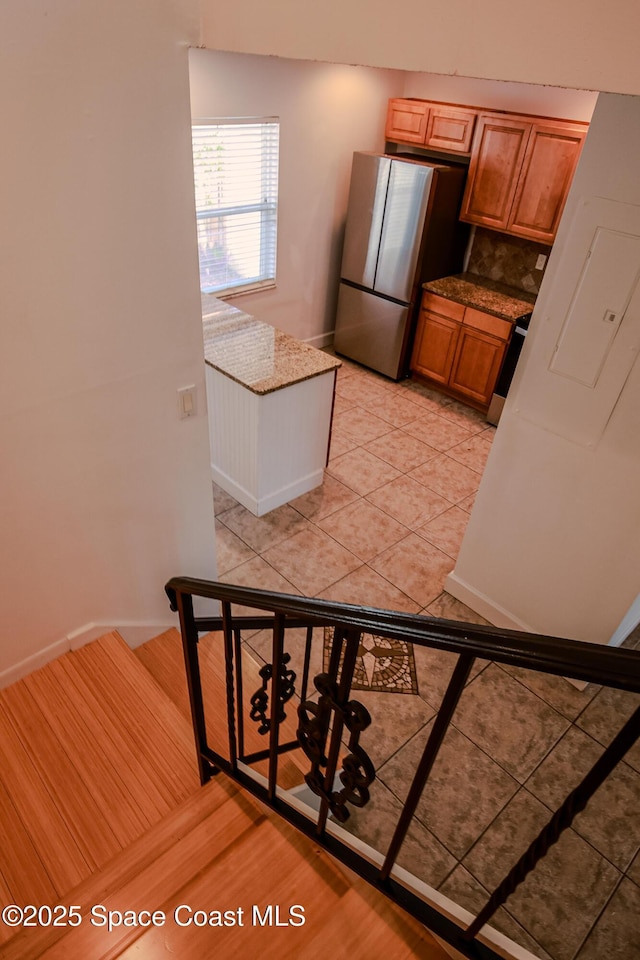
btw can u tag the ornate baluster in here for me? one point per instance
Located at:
(314, 718)
(260, 699)
(358, 771)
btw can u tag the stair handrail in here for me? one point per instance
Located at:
(587, 662)
(322, 722)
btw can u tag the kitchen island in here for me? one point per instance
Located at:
(269, 401)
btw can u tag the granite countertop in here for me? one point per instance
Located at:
(492, 297)
(255, 354)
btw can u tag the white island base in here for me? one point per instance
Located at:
(268, 448)
(269, 402)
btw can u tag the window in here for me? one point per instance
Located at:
(236, 179)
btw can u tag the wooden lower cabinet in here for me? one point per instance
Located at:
(476, 364)
(460, 349)
(435, 347)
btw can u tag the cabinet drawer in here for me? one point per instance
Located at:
(446, 308)
(488, 324)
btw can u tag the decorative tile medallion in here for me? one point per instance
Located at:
(383, 665)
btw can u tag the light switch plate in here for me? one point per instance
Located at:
(187, 402)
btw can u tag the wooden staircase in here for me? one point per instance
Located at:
(101, 808)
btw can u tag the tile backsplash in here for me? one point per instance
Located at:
(506, 259)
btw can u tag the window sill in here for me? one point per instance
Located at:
(241, 291)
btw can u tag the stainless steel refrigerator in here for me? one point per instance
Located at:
(402, 229)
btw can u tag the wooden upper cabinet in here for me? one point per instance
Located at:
(498, 153)
(521, 166)
(407, 121)
(450, 128)
(438, 126)
(549, 164)
(520, 173)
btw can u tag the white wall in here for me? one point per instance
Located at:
(326, 112)
(552, 542)
(539, 100)
(105, 494)
(585, 44)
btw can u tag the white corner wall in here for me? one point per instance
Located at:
(552, 543)
(105, 493)
(326, 112)
(544, 101)
(585, 44)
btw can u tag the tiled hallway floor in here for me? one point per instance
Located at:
(384, 530)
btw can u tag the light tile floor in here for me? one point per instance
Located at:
(384, 530)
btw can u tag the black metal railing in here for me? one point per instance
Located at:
(325, 721)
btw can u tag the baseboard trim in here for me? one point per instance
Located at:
(483, 605)
(492, 612)
(321, 340)
(293, 490)
(134, 633)
(34, 662)
(272, 500)
(234, 489)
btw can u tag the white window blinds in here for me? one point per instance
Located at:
(236, 182)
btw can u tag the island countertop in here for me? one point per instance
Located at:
(483, 294)
(255, 354)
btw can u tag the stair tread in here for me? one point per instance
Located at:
(235, 854)
(92, 753)
(62, 861)
(54, 766)
(143, 705)
(23, 873)
(121, 742)
(213, 848)
(72, 724)
(150, 868)
(275, 865)
(137, 714)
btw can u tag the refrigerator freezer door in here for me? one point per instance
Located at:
(371, 330)
(405, 209)
(367, 195)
